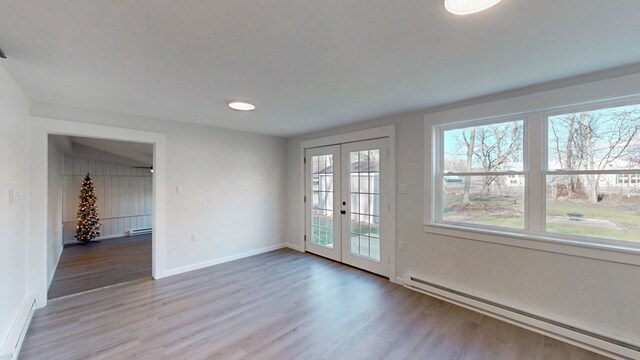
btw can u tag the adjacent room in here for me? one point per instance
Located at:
(436, 179)
(100, 214)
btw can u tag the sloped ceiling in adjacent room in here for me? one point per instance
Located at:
(141, 153)
(121, 152)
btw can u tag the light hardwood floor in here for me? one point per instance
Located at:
(97, 265)
(278, 305)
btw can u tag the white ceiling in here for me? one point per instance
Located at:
(307, 64)
(139, 152)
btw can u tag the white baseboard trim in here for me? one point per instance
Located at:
(113, 236)
(13, 342)
(204, 264)
(295, 247)
(597, 343)
(106, 237)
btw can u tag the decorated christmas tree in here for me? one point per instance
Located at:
(88, 227)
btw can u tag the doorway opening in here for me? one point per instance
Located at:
(120, 174)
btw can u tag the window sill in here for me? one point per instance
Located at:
(613, 253)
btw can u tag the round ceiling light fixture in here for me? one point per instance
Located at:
(466, 7)
(241, 105)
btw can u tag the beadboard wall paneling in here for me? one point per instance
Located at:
(124, 196)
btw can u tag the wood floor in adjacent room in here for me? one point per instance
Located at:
(279, 305)
(97, 265)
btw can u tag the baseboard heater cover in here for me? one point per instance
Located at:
(14, 340)
(583, 338)
(134, 232)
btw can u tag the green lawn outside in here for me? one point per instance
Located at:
(601, 211)
(626, 217)
(513, 223)
(321, 236)
(324, 237)
(622, 213)
(579, 229)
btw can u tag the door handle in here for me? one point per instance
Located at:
(343, 212)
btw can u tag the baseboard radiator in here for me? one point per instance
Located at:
(13, 343)
(598, 343)
(134, 232)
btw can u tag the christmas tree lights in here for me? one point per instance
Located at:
(88, 226)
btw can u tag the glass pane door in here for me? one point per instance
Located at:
(366, 204)
(322, 178)
(346, 205)
(323, 201)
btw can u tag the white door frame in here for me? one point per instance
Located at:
(39, 130)
(389, 132)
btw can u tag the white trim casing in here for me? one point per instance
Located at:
(389, 132)
(208, 263)
(439, 170)
(534, 109)
(53, 273)
(583, 249)
(39, 129)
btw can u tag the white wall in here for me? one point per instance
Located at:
(14, 120)
(124, 196)
(54, 212)
(597, 295)
(232, 185)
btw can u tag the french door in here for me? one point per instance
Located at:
(347, 204)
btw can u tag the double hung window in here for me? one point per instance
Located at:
(581, 166)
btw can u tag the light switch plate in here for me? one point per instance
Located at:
(403, 189)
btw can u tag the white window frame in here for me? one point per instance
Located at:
(440, 170)
(546, 172)
(535, 167)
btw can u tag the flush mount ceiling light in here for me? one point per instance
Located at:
(240, 105)
(466, 7)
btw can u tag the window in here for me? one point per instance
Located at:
(482, 178)
(592, 182)
(579, 169)
(628, 179)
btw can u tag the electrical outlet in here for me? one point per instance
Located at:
(194, 237)
(401, 245)
(403, 189)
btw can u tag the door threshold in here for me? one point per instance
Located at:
(347, 265)
(144, 279)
